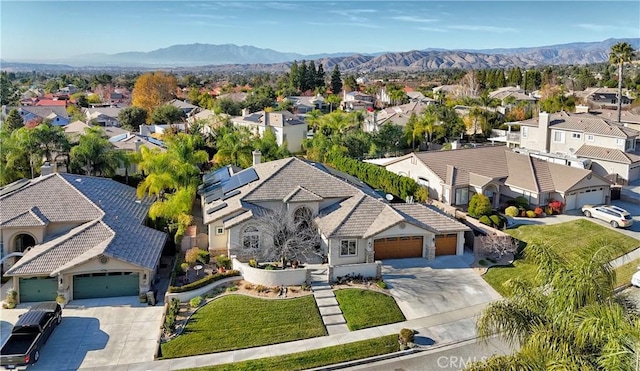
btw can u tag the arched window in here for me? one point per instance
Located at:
(251, 238)
(23, 241)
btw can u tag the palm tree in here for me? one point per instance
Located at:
(566, 317)
(94, 154)
(430, 127)
(620, 54)
(234, 147)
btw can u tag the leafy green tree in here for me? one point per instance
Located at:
(227, 106)
(260, 98)
(336, 81)
(566, 317)
(268, 147)
(94, 154)
(51, 141)
(131, 118)
(388, 139)
(19, 155)
(167, 115)
(620, 54)
(13, 121)
(319, 77)
(8, 92)
(333, 100)
(350, 83)
(234, 147)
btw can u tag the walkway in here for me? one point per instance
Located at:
(327, 304)
(626, 258)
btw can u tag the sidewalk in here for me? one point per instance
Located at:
(438, 330)
(626, 258)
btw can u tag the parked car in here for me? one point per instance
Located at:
(611, 214)
(29, 334)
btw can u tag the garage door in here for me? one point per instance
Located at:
(634, 173)
(398, 247)
(446, 244)
(38, 289)
(103, 285)
(570, 201)
(592, 196)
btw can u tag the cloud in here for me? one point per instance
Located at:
(206, 16)
(603, 27)
(494, 29)
(282, 6)
(431, 29)
(347, 24)
(410, 18)
(354, 15)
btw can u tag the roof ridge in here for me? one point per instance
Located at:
(534, 173)
(82, 194)
(353, 209)
(262, 181)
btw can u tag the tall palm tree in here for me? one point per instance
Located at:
(566, 317)
(234, 147)
(620, 54)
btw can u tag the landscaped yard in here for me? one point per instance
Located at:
(317, 357)
(237, 322)
(624, 272)
(365, 308)
(565, 238)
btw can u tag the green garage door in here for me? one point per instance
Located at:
(103, 285)
(38, 289)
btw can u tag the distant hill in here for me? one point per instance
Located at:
(234, 58)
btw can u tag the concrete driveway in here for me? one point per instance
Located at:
(96, 333)
(423, 288)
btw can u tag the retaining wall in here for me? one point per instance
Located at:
(270, 278)
(371, 270)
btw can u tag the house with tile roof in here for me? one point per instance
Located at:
(396, 115)
(603, 97)
(103, 116)
(610, 146)
(452, 177)
(356, 225)
(287, 127)
(57, 114)
(79, 236)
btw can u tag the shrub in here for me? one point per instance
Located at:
(305, 287)
(538, 210)
(184, 267)
(512, 211)
(248, 286)
(142, 297)
(232, 289)
(381, 284)
(269, 268)
(556, 206)
(12, 299)
(191, 256)
(422, 194)
(223, 261)
(496, 221)
(261, 289)
(203, 256)
(485, 220)
(521, 202)
(406, 338)
(483, 262)
(531, 214)
(548, 210)
(204, 281)
(195, 302)
(479, 205)
(170, 323)
(253, 263)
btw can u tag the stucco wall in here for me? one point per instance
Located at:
(368, 270)
(415, 171)
(295, 134)
(334, 252)
(272, 278)
(603, 168)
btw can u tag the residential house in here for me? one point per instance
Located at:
(68, 90)
(78, 236)
(396, 115)
(511, 93)
(103, 116)
(355, 224)
(355, 100)
(187, 108)
(287, 127)
(238, 97)
(501, 174)
(56, 114)
(302, 104)
(603, 98)
(212, 120)
(610, 146)
(51, 103)
(630, 119)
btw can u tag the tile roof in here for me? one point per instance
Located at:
(432, 217)
(30, 218)
(86, 200)
(607, 154)
(46, 111)
(301, 194)
(584, 123)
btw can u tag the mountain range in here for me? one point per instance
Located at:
(234, 58)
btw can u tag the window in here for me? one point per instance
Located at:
(348, 247)
(558, 136)
(620, 142)
(251, 238)
(423, 182)
(576, 135)
(462, 196)
(524, 130)
(219, 230)
(590, 138)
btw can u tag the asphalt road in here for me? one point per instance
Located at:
(448, 358)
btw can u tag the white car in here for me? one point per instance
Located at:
(613, 215)
(635, 279)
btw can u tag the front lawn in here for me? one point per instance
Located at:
(365, 308)
(317, 357)
(237, 322)
(567, 239)
(624, 272)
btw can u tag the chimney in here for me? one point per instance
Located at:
(46, 169)
(256, 157)
(245, 112)
(543, 131)
(581, 108)
(138, 144)
(454, 144)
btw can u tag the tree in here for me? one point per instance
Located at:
(620, 54)
(336, 80)
(13, 121)
(94, 154)
(8, 92)
(333, 100)
(497, 246)
(132, 117)
(289, 235)
(20, 156)
(479, 205)
(153, 89)
(51, 140)
(565, 317)
(350, 83)
(167, 115)
(268, 147)
(234, 147)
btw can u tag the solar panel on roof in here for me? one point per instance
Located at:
(213, 195)
(14, 186)
(230, 194)
(217, 175)
(216, 208)
(239, 180)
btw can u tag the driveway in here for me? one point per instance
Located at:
(96, 333)
(423, 288)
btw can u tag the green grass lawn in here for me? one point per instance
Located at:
(365, 308)
(317, 357)
(565, 238)
(624, 272)
(237, 322)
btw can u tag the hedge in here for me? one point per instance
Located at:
(378, 177)
(203, 282)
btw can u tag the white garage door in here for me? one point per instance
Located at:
(591, 196)
(634, 173)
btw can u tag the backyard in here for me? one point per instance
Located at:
(237, 321)
(365, 308)
(567, 239)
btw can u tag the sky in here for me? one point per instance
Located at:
(46, 30)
